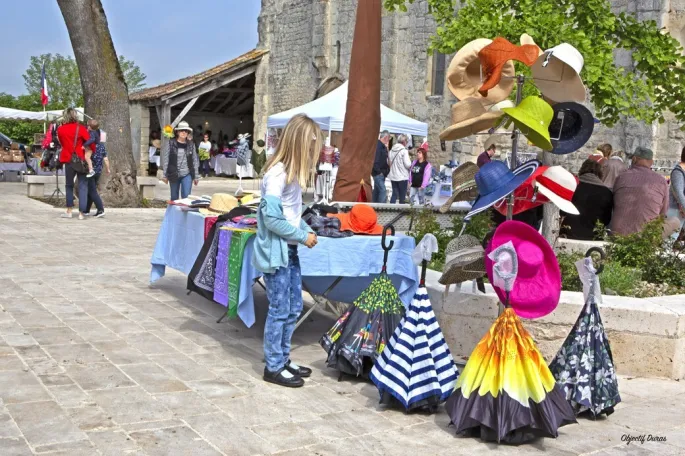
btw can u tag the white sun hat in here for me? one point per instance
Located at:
(557, 74)
(558, 185)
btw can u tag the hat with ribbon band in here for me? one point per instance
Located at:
(557, 74)
(463, 185)
(558, 185)
(571, 127)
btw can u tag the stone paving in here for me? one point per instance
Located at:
(94, 361)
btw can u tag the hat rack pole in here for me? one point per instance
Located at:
(520, 79)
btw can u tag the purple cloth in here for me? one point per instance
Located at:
(221, 270)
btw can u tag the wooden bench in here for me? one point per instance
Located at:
(36, 185)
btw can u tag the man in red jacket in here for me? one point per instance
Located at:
(71, 136)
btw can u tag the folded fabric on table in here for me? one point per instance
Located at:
(221, 271)
(235, 266)
(325, 226)
(209, 223)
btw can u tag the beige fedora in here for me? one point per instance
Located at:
(221, 204)
(527, 39)
(557, 74)
(464, 75)
(468, 118)
(464, 186)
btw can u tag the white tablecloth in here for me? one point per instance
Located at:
(229, 166)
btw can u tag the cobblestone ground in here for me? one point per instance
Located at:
(95, 361)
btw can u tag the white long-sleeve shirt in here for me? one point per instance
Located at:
(399, 163)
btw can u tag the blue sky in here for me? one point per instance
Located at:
(168, 39)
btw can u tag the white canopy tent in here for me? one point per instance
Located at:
(33, 116)
(329, 112)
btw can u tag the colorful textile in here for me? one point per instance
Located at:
(361, 333)
(416, 368)
(206, 273)
(235, 265)
(209, 223)
(248, 220)
(506, 392)
(221, 270)
(584, 366)
(98, 157)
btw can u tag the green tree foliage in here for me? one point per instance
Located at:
(64, 83)
(655, 85)
(21, 132)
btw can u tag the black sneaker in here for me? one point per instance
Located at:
(279, 379)
(301, 371)
(100, 214)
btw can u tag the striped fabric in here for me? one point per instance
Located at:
(416, 366)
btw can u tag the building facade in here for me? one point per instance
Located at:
(309, 40)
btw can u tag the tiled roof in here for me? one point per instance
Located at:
(170, 87)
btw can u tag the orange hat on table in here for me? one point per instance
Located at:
(362, 219)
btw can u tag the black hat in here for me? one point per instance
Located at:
(571, 127)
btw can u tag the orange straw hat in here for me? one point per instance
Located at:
(497, 54)
(362, 219)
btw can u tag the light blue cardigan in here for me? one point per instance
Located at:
(273, 232)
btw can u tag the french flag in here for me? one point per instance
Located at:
(44, 98)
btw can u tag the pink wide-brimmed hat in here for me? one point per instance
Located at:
(537, 288)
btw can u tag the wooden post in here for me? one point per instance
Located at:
(165, 120)
(550, 218)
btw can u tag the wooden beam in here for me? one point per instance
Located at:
(209, 86)
(210, 98)
(166, 120)
(160, 119)
(184, 112)
(224, 103)
(234, 90)
(238, 109)
(238, 101)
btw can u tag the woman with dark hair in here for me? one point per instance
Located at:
(594, 201)
(676, 207)
(419, 177)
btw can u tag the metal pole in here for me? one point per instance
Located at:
(520, 79)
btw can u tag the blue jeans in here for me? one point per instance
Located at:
(93, 195)
(417, 195)
(379, 194)
(70, 175)
(399, 189)
(284, 290)
(184, 185)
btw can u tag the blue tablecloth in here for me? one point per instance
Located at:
(358, 259)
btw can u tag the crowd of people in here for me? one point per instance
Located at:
(624, 198)
(407, 176)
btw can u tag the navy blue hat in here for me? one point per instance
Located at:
(496, 181)
(573, 125)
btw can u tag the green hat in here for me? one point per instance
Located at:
(533, 117)
(643, 152)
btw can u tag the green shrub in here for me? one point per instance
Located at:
(426, 222)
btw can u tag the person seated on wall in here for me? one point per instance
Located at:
(593, 199)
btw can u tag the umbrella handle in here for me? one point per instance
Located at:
(602, 257)
(387, 247)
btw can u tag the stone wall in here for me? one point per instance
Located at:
(302, 37)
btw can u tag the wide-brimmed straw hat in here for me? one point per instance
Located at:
(183, 126)
(571, 127)
(464, 76)
(464, 260)
(496, 55)
(221, 203)
(470, 117)
(560, 79)
(463, 185)
(533, 117)
(496, 181)
(558, 185)
(537, 287)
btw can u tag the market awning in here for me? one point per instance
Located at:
(33, 116)
(329, 112)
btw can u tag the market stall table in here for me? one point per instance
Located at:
(229, 167)
(349, 263)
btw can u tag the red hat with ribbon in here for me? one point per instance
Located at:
(558, 185)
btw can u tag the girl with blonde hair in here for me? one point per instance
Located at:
(280, 229)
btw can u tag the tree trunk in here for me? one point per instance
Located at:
(550, 218)
(105, 94)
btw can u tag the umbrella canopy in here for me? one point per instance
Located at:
(584, 366)
(360, 335)
(416, 368)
